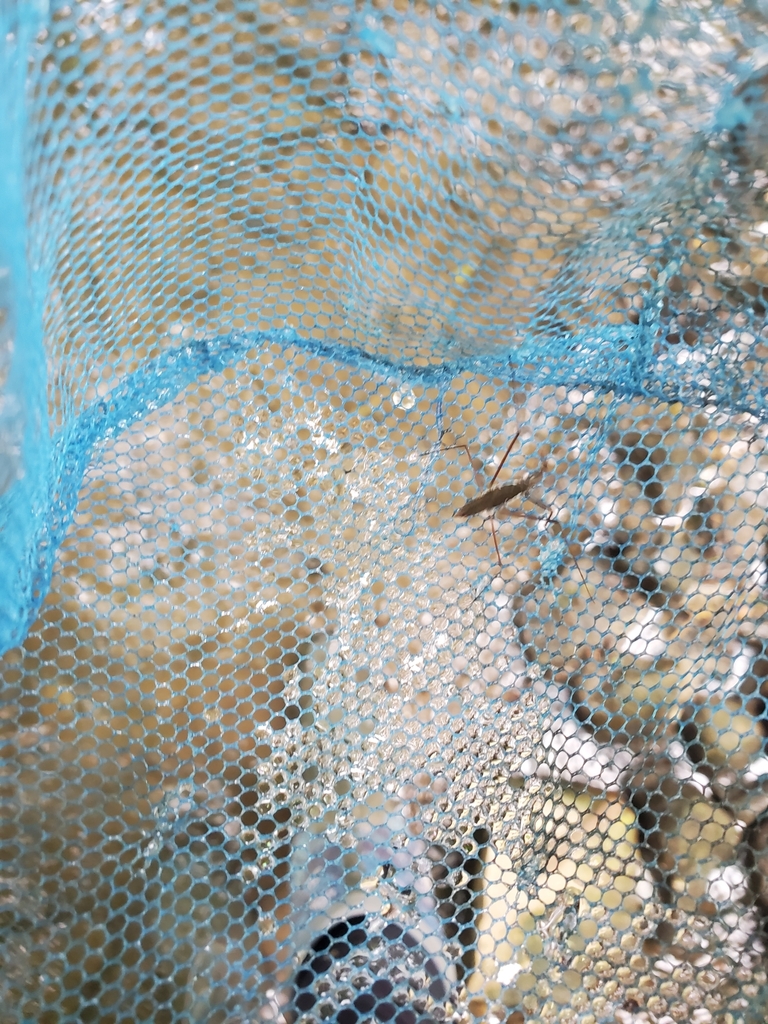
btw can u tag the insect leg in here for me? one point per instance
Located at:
(496, 541)
(583, 580)
(506, 453)
(530, 515)
(578, 570)
(452, 447)
(513, 512)
(547, 508)
(550, 518)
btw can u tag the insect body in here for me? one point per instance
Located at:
(494, 497)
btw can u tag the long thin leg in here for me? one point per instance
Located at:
(575, 559)
(480, 484)
(548, 519)
(452, 447)
(496, 541)
(529, 515)
(512, 512)
(506, 453)
(547, 508)
(583, 580)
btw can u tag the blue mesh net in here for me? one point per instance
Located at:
(383, 475)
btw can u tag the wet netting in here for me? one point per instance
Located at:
(383, 487)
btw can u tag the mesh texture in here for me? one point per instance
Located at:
(286, 735)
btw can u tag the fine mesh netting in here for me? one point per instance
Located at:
(288, 736)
